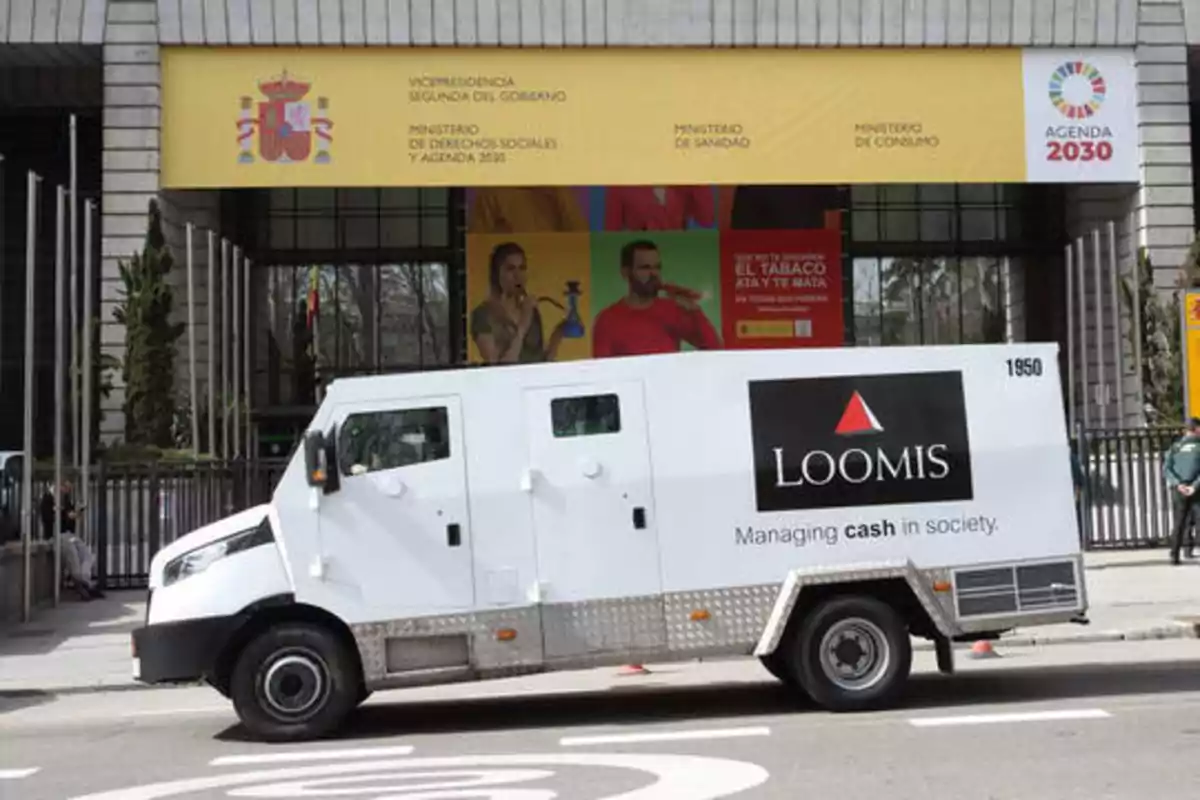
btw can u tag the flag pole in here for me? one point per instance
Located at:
(212, 343)
(191, 322)
(60, 281)
(28, 505)
(75, 330)
(86, 335)
(235, 355)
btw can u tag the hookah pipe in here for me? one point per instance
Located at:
(573, 325)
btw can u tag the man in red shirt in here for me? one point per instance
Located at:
(642, 323)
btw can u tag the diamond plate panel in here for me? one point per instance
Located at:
(518, 655)
(573, 630)
(487, 654)
(940, 605)
(737, 617)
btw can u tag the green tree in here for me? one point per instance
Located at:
(150, 340)
(1158, 338)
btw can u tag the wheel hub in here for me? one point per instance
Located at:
(854, 654)
(295, 684)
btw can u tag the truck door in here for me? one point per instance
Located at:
(399, 527)
(593, 508)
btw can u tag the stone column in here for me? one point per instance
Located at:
(130, 169)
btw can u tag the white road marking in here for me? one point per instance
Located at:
(664, 736)
(671, 777)
(1025, 716)
(17, 774)
(294, 756)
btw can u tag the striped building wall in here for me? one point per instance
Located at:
(131, 161)
(1158, 214)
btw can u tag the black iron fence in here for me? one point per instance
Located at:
(139, 508)
(1124, 501)
(134, 509)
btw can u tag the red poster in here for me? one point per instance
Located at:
(781, 288)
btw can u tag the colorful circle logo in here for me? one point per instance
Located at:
(1077, 90)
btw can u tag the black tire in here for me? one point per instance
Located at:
(869, 631)
(294, 682)
(777, 665)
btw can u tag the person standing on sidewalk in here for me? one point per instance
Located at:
(1181, 468)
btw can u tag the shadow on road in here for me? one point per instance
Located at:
(19, 699)
(634, 705)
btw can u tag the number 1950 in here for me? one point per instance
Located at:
(1024, 367)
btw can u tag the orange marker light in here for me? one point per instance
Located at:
(700, 615)
(506, 635)
(941, 586)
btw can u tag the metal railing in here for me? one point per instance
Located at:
(137, 508)
(1124, 501)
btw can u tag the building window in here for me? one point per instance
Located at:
(383, 440)
(938, 300)
(373, 318)
(934, 213)
(355, 219)
(943, 263)
(585, 416)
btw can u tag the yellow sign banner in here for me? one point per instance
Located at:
(1191, 354)
(258, 117)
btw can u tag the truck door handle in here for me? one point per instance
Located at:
(454, 534)
(639, 518)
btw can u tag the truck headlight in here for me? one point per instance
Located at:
(200, 559)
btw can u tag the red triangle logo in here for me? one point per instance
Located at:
(858, 418)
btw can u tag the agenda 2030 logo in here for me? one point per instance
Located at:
(1078, 90)
(860, 440)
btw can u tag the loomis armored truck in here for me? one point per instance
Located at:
(812, 508)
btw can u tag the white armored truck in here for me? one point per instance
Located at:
(812, 508)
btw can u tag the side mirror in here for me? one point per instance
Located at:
(333, 478)
(320, 460)
(315, 473)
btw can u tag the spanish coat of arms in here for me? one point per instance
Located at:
(286, 124)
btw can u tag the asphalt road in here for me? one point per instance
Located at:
(1074, 721)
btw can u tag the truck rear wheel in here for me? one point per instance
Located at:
(294, 682)
(852, 653)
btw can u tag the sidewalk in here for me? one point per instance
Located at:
(84, 647)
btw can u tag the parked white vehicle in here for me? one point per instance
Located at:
(812, 508)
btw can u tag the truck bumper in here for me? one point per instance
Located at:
(181, 652)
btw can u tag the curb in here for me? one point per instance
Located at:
(1179, 628)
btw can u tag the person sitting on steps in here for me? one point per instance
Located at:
(76, 555)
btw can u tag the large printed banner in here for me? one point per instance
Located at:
(1191, 352)
(518, 117)
(556, 274)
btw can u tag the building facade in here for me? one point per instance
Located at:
(957, 238)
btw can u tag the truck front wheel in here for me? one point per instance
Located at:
(294, 682)
(852, 653)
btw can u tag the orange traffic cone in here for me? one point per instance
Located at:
(632, 669)
(983, 649)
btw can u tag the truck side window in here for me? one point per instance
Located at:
(381, 440)
(585, 416)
